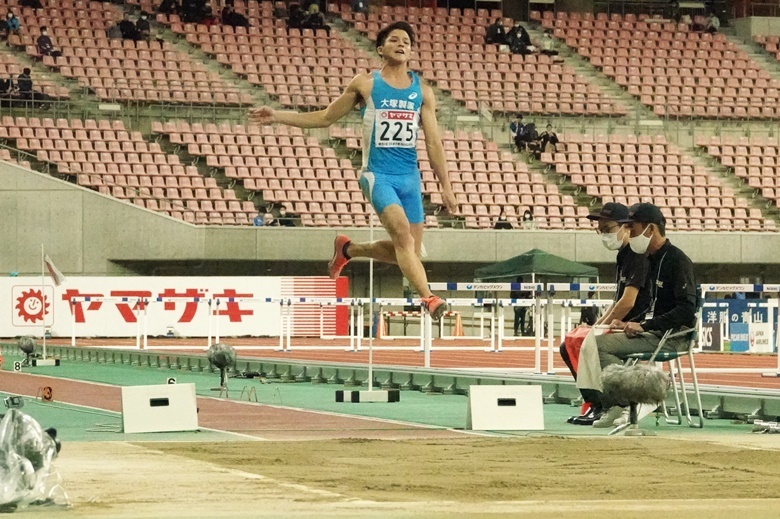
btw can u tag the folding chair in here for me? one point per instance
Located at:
(676, 373)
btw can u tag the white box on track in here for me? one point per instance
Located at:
(505, 408)
(159, 408)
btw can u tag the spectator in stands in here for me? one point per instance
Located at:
(528, 220)
(548, 136)
(169, 7)
(6, 87)
(34, 4)
(520, 311)
(495, 34)
(516, 128)
(127, 28)
(11, 24)
(24, 85)
(519, 40)
(686, 20)
(502, 222)
(285, 219)
(142, 27)
(45, 45)
(673, 303)
(315, 20)
(589, 314)
(360, 6)
(232, 18)
(712, 23)
(548, 44)
(209, 18)
(296, 18)
(269, 220)
(114, 32)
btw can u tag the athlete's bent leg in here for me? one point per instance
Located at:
(397, 226)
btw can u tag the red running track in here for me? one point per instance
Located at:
(464, 356)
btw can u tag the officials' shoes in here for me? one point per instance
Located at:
(586, 419)
(609, 418)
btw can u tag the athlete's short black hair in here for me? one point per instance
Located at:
(383, 34)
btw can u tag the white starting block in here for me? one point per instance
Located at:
(505, 408)
(45, 362)
(159, 408)
(374, 396)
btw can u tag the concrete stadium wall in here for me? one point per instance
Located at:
(90, 234)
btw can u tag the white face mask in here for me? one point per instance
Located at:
(612, 241)
(640, 243)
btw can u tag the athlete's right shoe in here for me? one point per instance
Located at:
(435, 305)
(338, 261)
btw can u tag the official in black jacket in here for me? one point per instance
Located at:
(673, 297)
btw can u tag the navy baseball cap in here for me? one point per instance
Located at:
(610, 211)
(644, 213)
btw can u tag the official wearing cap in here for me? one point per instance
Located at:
(673, 298)
(632, 291)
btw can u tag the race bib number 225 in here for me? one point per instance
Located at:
(396, 129)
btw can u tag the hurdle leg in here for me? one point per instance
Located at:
(281, 326)
(427, 325)
(289, 323)
(73, 326)
(351, 329)
(501, 325)
(492, 327)
(538, 337)
(361, 323)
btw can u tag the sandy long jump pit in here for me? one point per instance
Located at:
(541, 477)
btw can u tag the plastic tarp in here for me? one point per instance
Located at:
(537, 262)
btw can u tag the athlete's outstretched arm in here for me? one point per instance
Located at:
(435, 148)
(319, 119)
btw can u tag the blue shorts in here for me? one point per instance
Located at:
(404, 190)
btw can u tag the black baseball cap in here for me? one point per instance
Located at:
(610, 211)
(644, 213)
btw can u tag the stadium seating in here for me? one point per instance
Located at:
(754, 160)
(487, 181)
(103, 155)
(476, 74)
(675, 71)
(630, 169)
(5, 156)
(120, 70)
(11, 67)
(282, 165)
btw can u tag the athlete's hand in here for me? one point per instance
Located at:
(262, 115)
(633, 329)
(450, 202)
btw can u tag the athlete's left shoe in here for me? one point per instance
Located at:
(435, 305)
(338, 261)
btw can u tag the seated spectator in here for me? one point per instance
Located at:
(548, 44)
(296, 18)
(686, 20)
(169, 7)
(114, 32)
(528, 220)
(191, 11)
(6, 87)
(360, 6)
(285, 219)
(24, 85)
(232, 18)
(45, 45)
(314, 20)
(11, 23)
(209, 18)
(496, 34)
(519, 40)
(516, 128)
(269, 220)
(34, 4)
(502, 222)
(142, 27)
(539, 145)
(589, 314)
(712, 23)
(127, 27)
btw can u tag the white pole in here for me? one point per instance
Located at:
(351, 328)
(777, 341)
(73, 314)
(289, 323)
(146, 323)
(492, 327)
(427, 333)
(371, 306)
(538, 335)
(137, 324)
(43, 297)
(281, 325)
(322, 322)
(500, 328)
(209, 323)
(216, 323)
(550, 333)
